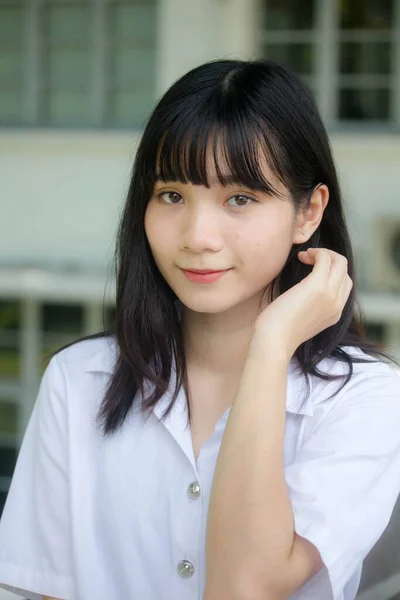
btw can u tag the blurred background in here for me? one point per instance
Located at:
(78, 79)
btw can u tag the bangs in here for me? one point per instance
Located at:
(238, 149)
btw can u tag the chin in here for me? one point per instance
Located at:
(205, 307)
(209, 305)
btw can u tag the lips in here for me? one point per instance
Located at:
(202, 276)
(203, 271)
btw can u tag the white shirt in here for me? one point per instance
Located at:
(94, 518)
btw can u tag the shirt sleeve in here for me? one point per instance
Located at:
(35, 549)
(345, 480)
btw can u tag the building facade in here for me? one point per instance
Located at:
(78, 79)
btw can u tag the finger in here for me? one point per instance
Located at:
(338, 263)
(322, 263)
(338, 272)
(345, 289)
(344, 293)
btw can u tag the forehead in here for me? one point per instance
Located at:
(218, 168)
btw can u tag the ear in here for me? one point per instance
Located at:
(308, 219)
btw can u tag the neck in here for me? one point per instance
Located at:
(218, 343)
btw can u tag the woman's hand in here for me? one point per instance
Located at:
(310, 306)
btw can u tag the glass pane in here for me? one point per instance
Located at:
(297, 57)
(364, 104)
(67, 21)
(8, 458)
(130, 108)
(10, 318)
(10, 315)
(68, 66)
(68, 108)
(110, 318)
(366, 14)
(10, 360)
(289, 14)
(365, 58)
(68, 63)
(138, 23)
(11, 65)
(61, 325)
(62, 318)
(11, 23)
(376, 331)
(11, 107)
(131, 61)
(8, 417)
(3, 498)
(132, 65)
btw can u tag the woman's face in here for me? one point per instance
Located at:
(249, 234)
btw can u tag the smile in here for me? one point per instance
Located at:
(204, 277)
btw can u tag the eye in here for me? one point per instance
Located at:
(241, 200)
(170, 197)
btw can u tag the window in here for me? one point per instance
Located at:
(290, 35)
(10, 371)
(377, 331)
(61, 324)
(8, 457)
(346, 50)
(8, 417)
(77, 63)
(365, 59)
(131, 61)
(66, 63)
(9, 340)
(109, 318)
(3, 498)
(8, 460)
(11, 62)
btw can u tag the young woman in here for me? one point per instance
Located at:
(236, 436)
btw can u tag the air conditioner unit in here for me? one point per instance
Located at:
(385, 254)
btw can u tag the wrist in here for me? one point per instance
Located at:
(270, 345)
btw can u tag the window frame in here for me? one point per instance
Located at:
(327, 81)
(33, 113)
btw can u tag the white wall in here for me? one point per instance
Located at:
(60, 195)
(8, 596)
(192, 32)
(369, 170)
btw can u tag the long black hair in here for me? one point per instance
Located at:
(243, 106)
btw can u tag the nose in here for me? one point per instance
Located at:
(202, 230)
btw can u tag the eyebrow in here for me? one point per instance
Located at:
(228, 180)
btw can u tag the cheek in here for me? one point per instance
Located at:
(156, 232)
(266, 246)
(268, 240)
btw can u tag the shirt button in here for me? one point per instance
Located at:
(194, 490)
(185, 569)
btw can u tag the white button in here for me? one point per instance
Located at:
(185, 569)
(194, 490)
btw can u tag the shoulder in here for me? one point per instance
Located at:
(87, 356)
(347, 456)
(374, 383)
(371, 368)
(75, 379)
